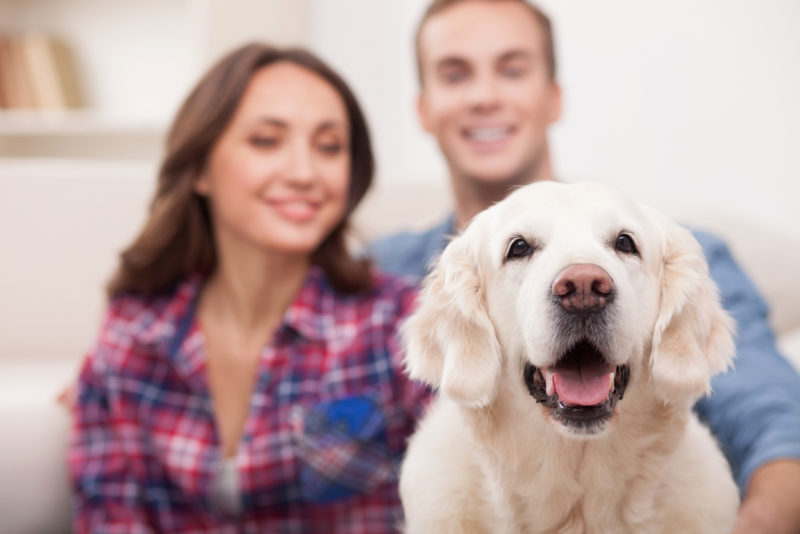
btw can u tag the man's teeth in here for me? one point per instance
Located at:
(487, 134)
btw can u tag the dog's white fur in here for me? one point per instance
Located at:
(487, 457)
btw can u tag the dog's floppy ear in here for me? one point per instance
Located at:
(450, 340)
(692, 339)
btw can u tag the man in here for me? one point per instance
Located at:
(488, 94)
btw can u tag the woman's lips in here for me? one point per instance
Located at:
(295, 210)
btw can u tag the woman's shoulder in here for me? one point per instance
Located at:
(393, 285)
(389, 292)
(137, 319)
(144, 308)
(388, 298)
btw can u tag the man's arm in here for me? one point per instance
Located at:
(772, 500)
(754, 410)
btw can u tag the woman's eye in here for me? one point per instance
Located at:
(259, 141)
(331, 149)
(626, 245)
(519, 248)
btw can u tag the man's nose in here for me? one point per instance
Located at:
(484, 92)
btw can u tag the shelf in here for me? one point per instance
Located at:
(73, 168)
(82, 122)
(135, 60)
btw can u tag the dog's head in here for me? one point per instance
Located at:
(569, 292)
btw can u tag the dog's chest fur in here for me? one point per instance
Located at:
(539, 478)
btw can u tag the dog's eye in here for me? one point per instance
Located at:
(519, 248)
(625, 244)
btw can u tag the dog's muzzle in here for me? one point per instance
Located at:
(582, 387)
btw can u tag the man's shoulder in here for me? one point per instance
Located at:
(410, 253)
(710, 243)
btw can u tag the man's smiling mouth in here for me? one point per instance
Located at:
(487, 135)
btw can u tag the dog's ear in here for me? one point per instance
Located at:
(692, 338)
(450, 340)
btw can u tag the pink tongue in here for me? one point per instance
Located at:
(588, 385)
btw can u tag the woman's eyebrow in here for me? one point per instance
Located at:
(272, 121)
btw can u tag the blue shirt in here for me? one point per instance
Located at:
(754, 411)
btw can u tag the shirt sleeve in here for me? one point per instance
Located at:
(754, 410)
(105, 492)
(414, 396)
(411, 253)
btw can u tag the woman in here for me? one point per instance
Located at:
(246, 377)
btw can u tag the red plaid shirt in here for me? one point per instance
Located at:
(330, 415)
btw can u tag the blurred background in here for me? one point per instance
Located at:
(688, 104)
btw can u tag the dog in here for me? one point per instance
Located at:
(568, 330)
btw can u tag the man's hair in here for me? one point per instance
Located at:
(437, 6)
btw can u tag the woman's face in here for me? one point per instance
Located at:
(277, 178)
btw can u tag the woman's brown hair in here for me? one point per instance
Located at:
(177, 239)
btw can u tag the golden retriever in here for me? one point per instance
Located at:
(569, 331)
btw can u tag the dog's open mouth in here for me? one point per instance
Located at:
(581, 389)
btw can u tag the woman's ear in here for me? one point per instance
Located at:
(202, 185)
(692, 338)
(450, 340)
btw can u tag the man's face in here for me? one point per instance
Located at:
(486, 93)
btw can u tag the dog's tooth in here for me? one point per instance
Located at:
(550, 387)
(611, 382)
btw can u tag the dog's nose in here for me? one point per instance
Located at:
(583, 288)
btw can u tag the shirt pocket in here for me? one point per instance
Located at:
(342, 449)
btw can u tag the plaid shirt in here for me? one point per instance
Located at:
(330, 415)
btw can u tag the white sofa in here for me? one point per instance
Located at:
(62, 224)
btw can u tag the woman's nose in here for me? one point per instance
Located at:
(301, 168)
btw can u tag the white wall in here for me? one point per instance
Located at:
(681, 102)
(370, 43)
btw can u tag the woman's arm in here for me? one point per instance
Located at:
(414, 396)
(106, 494)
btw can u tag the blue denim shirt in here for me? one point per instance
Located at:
(754, 411)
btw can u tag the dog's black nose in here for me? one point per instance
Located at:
(583, 288)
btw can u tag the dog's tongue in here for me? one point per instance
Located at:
(585, 385)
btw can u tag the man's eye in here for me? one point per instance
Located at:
(519, 248)
(625, 244)
(454, 76)
(512, 72)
